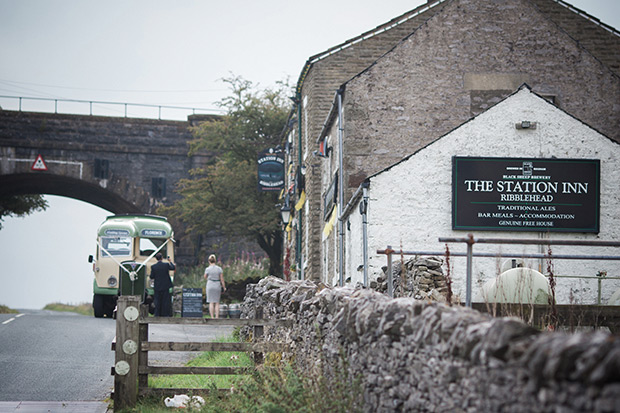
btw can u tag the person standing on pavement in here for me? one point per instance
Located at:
(215, 284)
(160, 273)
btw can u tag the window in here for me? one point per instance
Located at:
(330, 198)
(102, 169)
(158, 188)
(116, 246)
(149, 246)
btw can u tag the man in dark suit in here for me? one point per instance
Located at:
(160, 274)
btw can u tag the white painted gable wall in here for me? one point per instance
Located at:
(410, 203)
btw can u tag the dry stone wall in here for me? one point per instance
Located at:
(418, 356)
(420, 278)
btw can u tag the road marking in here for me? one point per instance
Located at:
(8, 321)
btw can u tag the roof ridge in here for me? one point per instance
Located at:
(397, 21)
(588, 16)
(377, 30)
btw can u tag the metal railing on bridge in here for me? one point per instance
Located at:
(104, 108)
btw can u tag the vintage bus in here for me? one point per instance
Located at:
(126, 249)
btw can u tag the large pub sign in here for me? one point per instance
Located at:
(525, 194)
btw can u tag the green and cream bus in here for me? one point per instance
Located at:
(126, 249)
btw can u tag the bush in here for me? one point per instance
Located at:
(6, 310)
(239, 269)
(84, 308)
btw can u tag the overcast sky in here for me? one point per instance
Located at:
(156, 52)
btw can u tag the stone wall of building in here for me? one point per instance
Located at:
(461, 57)
(598, 38)
(459, 63)
(326, 71)
(419, 356)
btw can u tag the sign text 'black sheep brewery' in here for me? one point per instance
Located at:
(271, 170)
(525, 194)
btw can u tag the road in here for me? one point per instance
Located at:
(47, 355)
(53, 356)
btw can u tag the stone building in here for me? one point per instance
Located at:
(395, 89)
(410, 203)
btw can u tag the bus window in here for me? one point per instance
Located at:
(149, 246)
(116, 246)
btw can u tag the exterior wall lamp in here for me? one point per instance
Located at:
(285, 213)
(526, 124)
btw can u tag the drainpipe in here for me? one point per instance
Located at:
(364, 212)
(300, 269)
(340, 190)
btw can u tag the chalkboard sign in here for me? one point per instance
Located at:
(192, 302)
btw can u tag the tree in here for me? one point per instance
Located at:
(223, 195)
(20, 205)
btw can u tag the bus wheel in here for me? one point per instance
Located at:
(110, 305)
(98, 305)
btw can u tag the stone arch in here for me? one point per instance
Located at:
(118, 197)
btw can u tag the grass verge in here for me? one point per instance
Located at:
(84, 308)
(206, 359)
(6, 310)
(278, 389)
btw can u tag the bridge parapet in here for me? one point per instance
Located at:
(120, 164)
(101, 108)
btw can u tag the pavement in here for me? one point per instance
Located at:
(55, 407)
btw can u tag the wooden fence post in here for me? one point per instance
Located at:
(143, 356)
(258, 334)
(127, 349)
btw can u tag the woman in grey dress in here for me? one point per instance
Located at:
(215, 283)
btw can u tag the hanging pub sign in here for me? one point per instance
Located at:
(271, 170)
(525, 194)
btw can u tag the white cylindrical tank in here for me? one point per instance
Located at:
(615, 298)
(517, 285)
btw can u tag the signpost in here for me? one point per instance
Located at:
(525, 194)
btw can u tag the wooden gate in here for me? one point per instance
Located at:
(131, 367)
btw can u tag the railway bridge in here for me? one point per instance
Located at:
(123, 165)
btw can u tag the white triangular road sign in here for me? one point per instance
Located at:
(39, 164)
